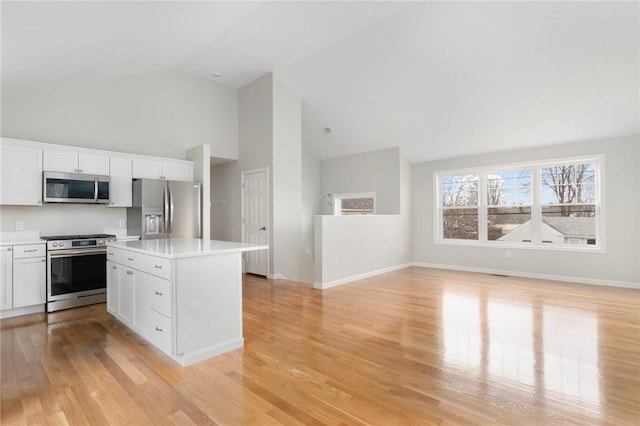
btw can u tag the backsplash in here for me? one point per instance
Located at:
(56, 219)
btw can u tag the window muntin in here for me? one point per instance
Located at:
(523, 205)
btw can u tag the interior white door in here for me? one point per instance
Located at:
(255, 222)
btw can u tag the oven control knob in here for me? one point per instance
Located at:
(54, 244)
(100, 242)
(61, 244)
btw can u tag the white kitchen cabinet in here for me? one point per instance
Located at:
(70, 161)
(152, 310)
(138, 297)
(120, 182)
(20, 175)
(29, 281)
(181, 170)
(23, 276)
(29, 275)
(6, 277)
(120, 291)
(113, 288)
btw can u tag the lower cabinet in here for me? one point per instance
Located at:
(29, 282)
(141, 300)
(188, 307)
(23, 277)
(6, 278)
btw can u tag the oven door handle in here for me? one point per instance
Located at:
(81, 252)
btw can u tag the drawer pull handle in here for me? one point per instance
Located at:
(30, 251)
(43, 260)
(110, 253)
(113, 267)
(158, 293)
(129, 272)
(158, 329)
(130, 259)
(158, 267)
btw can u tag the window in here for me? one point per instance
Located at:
(553, 203)
(354, 204)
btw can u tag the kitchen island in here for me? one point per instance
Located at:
(183, 295)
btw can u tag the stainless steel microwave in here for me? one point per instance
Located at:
(75, 188)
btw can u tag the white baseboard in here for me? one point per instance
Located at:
(565, 278)
(352, 278)
(9, 313)
(276, 277)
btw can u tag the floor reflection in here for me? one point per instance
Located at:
(529, 342)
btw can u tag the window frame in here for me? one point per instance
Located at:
(337, 202)
(536, 205)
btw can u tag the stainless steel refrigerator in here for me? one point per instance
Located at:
(165, 209)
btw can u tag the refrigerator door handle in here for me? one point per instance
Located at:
(170, 209)
(165, 209)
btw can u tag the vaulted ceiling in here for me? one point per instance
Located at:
(437, 79)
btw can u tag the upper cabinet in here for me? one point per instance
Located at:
(20, 175)
(120, 182)
(170, 170)
(75, 162)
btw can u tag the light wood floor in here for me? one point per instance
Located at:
(416, 346)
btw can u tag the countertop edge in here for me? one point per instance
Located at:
(122, 245)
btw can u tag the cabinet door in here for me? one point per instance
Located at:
(93, 164)
(113, 288)
(6, 278)
(127, 278)
(120, 184)
(29, 281)
(60, 161)
(147, 169)
(141, 310)
(20, 176)
(177, 171)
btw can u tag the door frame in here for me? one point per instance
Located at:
(268, 212)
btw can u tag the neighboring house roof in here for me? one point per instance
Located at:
(580, 227)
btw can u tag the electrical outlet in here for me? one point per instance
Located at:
(337, 260)
(122, 223)
(507, 253)
(19, 226)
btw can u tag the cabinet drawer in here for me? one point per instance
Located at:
(154, 265)
(29, 250)
(116, 255)
(160, 332)
(161, 296)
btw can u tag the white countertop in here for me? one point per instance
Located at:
(174, 248)
(21, 237)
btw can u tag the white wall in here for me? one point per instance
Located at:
(348, 248)
(56, 219)
(290, 260)
(355, 247)
(200, 155)
(617, 266)
(375, 171)
(162, 114)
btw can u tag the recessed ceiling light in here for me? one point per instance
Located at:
(555, 14)
(216, 75)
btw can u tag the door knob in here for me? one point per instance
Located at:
(264, 228)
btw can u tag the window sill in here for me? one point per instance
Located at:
(511, 246)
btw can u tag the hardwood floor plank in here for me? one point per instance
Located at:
(415, 346)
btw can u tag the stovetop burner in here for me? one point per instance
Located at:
(76, 237)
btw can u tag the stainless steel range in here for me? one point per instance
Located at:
(76, 270)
